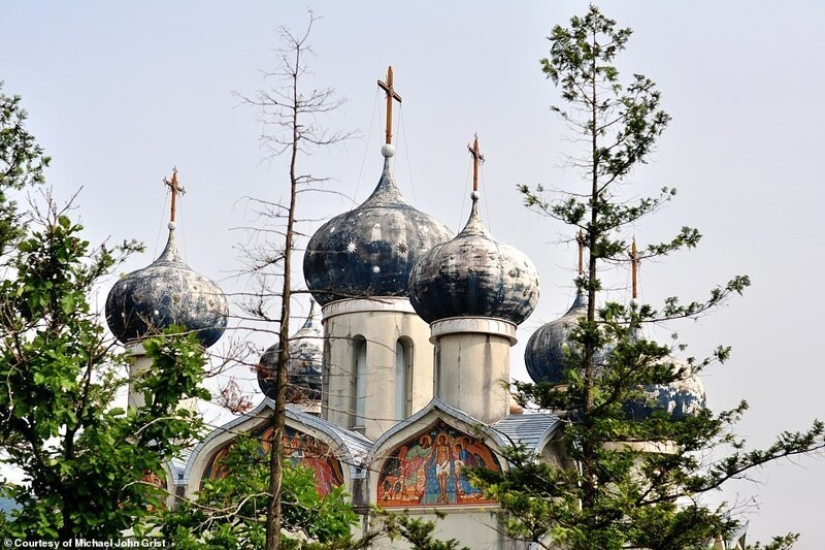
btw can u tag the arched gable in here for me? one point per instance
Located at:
(309, 441)
(422, 461)
(300, 448)
(430, 469)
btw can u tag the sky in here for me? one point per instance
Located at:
(118, 93)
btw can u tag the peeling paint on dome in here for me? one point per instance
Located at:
(684, 396)
(165, 293)
(306, 355)
(544, 354)
(342, 264)
(491, 279)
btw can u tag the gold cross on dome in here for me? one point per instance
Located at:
(391, 94)
(177, 189)
(477, 158)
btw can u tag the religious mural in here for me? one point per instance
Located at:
(300, 448)
(430, 470)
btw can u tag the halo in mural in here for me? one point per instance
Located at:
(300, 448)
(430, 470)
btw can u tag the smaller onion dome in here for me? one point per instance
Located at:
(306, 354)
(370, 250)
(682, 397)
(544, 355)
(474, 275)
(165, 293)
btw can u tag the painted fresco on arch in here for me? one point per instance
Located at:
(430, 470)
(300, 448)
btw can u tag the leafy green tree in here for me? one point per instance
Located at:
(82, 460)
(419, 533)
(627, 481)
(230, 513)
(21, 165)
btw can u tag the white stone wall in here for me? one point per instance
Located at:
(381, 322)
(478, 529)
(472, 361)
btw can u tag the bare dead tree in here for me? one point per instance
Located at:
(290, 117)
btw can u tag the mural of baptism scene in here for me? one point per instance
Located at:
(301, 449)
(430, 470)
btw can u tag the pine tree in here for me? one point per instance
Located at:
(628, 480)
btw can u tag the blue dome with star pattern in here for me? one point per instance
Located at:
(370, 250)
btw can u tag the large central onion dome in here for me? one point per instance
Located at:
(370, 251)
(306, 356)
(474, 275)
(165, 293)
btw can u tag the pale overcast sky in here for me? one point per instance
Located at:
(118, 93)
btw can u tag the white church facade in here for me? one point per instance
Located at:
(399, 387)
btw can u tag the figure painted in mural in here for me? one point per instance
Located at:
(301, 449)
(462, 458)
(316, 457)
(444, 468)
(414, 459)
(403, 479)
(431, 470)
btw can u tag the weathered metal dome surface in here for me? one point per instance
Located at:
(544, 355)
(474, 275)
(370, 250)
(684, 396)
(165, 293)
(306, 357)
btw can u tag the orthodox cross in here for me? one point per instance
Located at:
(391, 94)
(477, 158)
(176, 188)
(634, 262)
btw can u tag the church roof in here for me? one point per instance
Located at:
(353, 446)
(531, 430)
(167, 292)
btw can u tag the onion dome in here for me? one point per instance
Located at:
(306, 354)
(682, 397)
(474, 275)
(544, 355)
(165, 293)
(370, 250)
